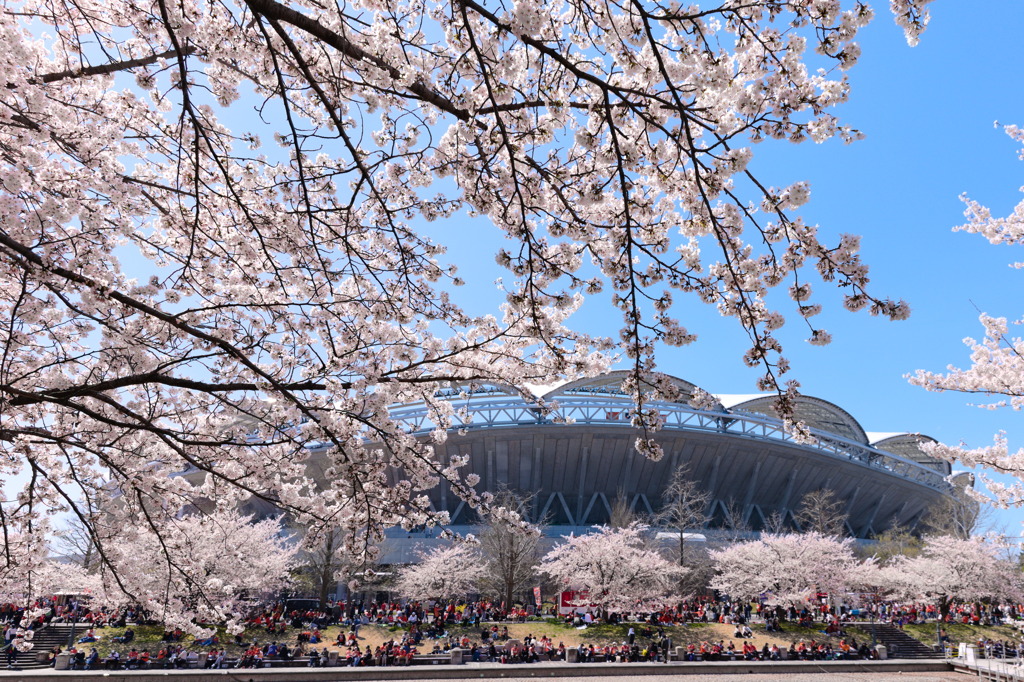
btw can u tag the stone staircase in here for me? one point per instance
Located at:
(899, 644)
(45, 639)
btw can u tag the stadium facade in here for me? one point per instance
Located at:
(576, 460)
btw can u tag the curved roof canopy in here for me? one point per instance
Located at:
(483, 388)
(611, 384)
(818, 414)
(908, 446)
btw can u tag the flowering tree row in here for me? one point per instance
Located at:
(616, 567)
(212, 255)
(619, 570)
(790, 569)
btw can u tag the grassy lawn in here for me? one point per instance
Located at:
(149, 636)
(958, 632)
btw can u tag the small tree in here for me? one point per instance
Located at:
(735, 526)
(894, 542)
(775, 524)
(622, 513)
(509, 548)
(321, 563)
(957, 514)
(449, 572)
(74, 544)
(614, 566)
(684, 506)
(821, 511)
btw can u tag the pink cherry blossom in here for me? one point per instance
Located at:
(213, 259)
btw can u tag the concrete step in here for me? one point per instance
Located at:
(899, 644)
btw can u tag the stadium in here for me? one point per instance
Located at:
(577, 460)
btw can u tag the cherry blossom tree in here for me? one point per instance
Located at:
(615, 567)
(787, 569)
(200, 569)
(997, 363)
(949, 569)
(448, 572)
(212, 248)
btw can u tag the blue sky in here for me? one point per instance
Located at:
(927, 113)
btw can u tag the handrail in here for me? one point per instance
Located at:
(503, 411)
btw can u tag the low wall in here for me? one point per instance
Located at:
(477, 671)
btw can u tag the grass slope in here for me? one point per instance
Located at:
(149, 637)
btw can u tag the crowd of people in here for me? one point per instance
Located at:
(845, 649)
(703, 610)
(425, 629)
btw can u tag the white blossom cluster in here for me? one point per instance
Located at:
(192, 573)
(786, 569)
(211, 254)
(614, 568)
(949, 568)
(448, 572)
(789, 569)
(996, 371)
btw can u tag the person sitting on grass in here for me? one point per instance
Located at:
(128, 636)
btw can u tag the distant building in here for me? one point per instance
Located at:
(577, 460)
